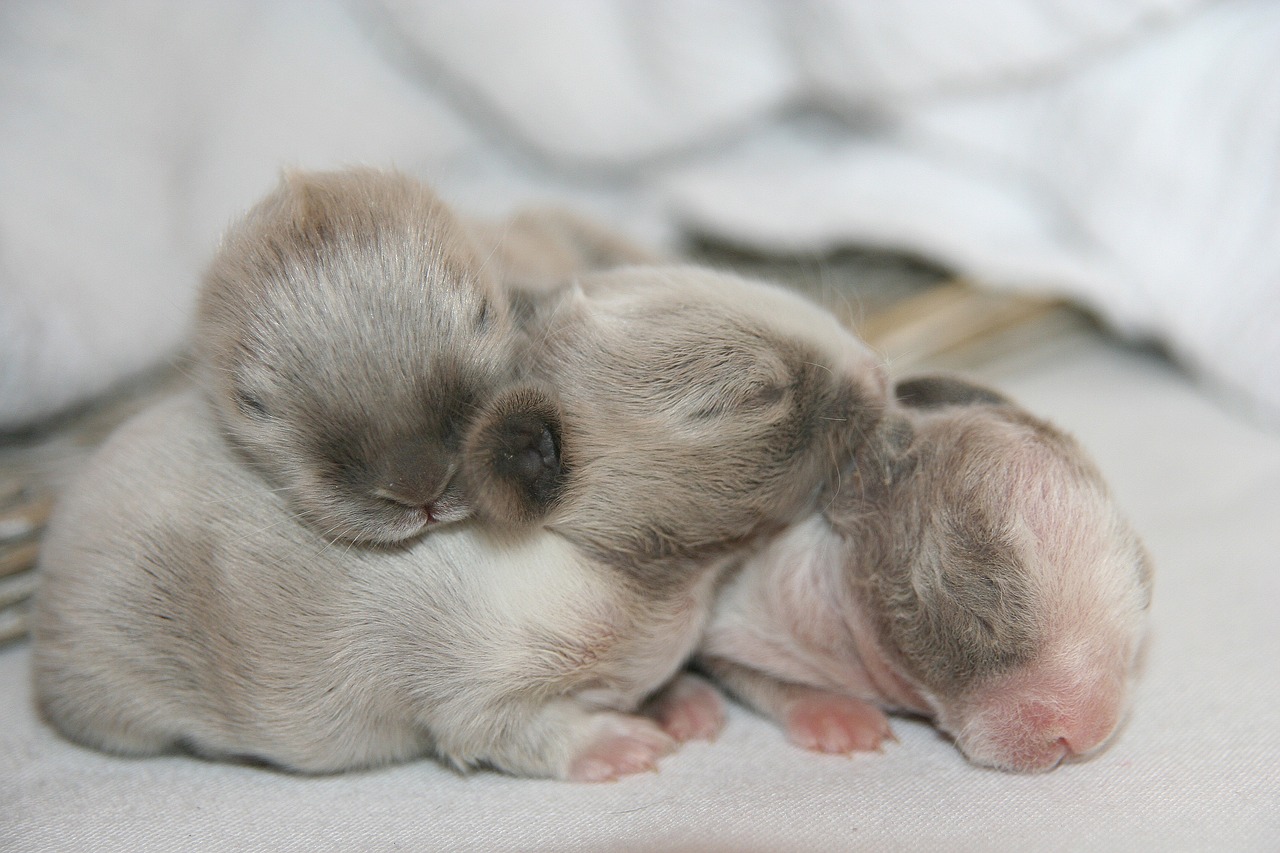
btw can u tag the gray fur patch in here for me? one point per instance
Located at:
(931, 553)
(931, 392)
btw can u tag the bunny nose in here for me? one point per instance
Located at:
(415, 475)
(1072, 731)
(1088, 729)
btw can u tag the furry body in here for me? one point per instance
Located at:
(183, 604)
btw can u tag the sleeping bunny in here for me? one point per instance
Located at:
(183, 605)
(970, 566)
(349, 327)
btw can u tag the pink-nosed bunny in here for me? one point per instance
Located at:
(971, 566)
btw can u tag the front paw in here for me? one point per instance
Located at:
(624, 745)
(826, 722)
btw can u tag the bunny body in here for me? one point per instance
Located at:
(183, 604)
(971, 567)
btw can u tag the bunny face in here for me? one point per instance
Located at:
(1002, 582)
(700, 409)
(969, 565)
(350, 333)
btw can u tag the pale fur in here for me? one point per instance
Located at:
(972, 566)
(348, 330)
(183, 605)
(543, 248)
(351, 325)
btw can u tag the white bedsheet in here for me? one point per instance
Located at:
(1196, 768)
(1124, 152)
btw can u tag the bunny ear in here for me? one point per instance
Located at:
(931, 392)
(537, 308)
(887, 458)
(512, 457)
(314, 208)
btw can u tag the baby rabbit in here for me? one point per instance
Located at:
(182, 605)
(970, 566)
(350, 329)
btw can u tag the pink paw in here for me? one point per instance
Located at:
(824, 722)
(626, 745)
(689, 709)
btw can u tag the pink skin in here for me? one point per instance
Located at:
(1033, 720)
(628, 745)
(809, 656)
(821, 720)
(827, 722)
(689, 709)
(1028, 721)
(822, 676)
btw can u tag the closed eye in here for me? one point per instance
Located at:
(756, 399)
(251, 405)
(768, 396)
(484, 316)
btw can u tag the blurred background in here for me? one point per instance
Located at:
(953, 178)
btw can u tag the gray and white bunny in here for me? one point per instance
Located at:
(182, 603)
(349, 328)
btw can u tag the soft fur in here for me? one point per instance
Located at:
(183, 605)
(542, 248)
(349, 328)
(971, 566)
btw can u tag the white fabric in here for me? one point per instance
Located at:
(1124, 152)
(1196, 768)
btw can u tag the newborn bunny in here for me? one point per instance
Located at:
(181, 604)
(970, 566)
(349, 330)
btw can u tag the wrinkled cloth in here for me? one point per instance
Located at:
(1123, 153)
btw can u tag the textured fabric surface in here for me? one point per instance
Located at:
(1121, 152)
(1197, 767)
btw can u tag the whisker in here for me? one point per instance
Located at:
(261, 530)
(822, 366)
(502, 238)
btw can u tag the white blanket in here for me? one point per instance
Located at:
(1123, 152)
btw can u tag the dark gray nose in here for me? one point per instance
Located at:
(415, 474)
(513, 465)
